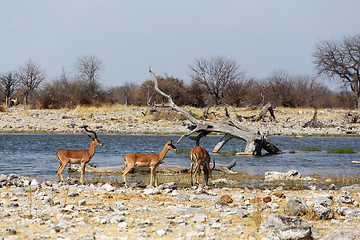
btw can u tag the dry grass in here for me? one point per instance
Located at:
(214, 112)
(103, 109)
(161, 114)
(257, 211)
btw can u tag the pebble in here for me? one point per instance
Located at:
(105, 211)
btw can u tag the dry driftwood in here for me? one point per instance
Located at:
(351, 117)
(313, 123)
(262, 115)
(232, 128)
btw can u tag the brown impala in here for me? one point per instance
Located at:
(201, 157)
(151, 160)
(82, 157)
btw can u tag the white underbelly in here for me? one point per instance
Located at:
(75, 160)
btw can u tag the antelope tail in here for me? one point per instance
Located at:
(213, 166)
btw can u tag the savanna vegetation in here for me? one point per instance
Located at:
(213, 81)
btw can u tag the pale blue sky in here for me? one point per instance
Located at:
(130, 36)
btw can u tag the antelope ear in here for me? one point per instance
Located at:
(90, 137)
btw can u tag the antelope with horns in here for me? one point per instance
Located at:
(82, 157)
(201, 157)
(151, 160)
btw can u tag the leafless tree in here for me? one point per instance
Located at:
(9, 82)
(238, 92)
(308, 91)
(30, 77)
(280, 89)
(124, 94)
(216, 74)
(340, 60)
(89, 67)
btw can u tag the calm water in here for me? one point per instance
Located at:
(34, 155)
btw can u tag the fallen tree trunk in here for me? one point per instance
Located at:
(268, 107)
(232, 128)
(162, 168)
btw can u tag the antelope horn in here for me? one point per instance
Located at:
(85, 127)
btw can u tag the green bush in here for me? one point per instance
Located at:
(342, 150)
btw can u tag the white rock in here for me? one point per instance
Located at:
(122, 226)
(200, 218)
(150, 191)
(107, 187)
(34, 183)
(161, 232)
(117, 219)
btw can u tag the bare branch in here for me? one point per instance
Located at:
(171, 103)
(231, 128)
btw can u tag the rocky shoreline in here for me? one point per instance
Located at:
(132, 120)
(47, 210)
(30, 209)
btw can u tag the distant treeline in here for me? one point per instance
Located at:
(215, 80)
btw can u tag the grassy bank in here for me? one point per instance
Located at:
(223, 180)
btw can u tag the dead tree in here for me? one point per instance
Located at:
(351, 117)
(232, 128)
(268, 107)
(313, 123)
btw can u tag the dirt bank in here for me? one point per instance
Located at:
(121, 119)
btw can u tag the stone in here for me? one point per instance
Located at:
(322, 206)
(34, 183)
(68, 208)
(161, 232)
(296, 206)
(151, 191)
(107, 187)
(266, 199)
(345, 198)
(120, 206)
(169, 185)
(3, 178)
(19, 191)
(117, 218)
(87, 237)
(10, 231)
(279, 195)
(73, 193)
(200, 218)
(291, 175)
(226, 198)
(350, 213)
(286, 227)
(122, 226)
